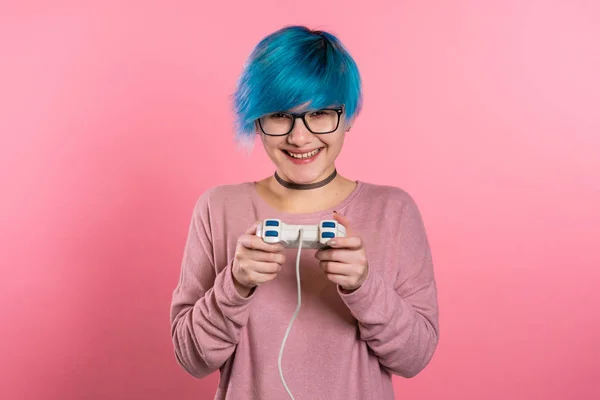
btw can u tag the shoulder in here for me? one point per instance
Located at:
(389, 205)
(393, 209)
(386, 194)
(221, 197)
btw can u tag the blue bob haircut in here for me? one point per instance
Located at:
(292, 67)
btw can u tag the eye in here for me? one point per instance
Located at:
(278, 116)
(318, 113)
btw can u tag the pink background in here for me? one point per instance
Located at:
(115, 116)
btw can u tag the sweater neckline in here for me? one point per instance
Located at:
(269, 211)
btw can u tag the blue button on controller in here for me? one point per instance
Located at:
(328, 224)
(271, 234)
(327, 235)
(271, 223)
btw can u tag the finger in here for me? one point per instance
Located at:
(344, 221)
(335, 268)
(260, 279)
(342, 280)
(260, 272)
(252, 229)
(249, 268)
(263, 268)
(259, 255)
(344, 275)
(250, 241)
(338, 255)
(348, 242)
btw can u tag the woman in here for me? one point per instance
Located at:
(369, 302)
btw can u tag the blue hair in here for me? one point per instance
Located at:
(295, 66)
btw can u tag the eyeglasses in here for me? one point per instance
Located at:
(325, 120)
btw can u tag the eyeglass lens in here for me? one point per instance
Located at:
(318, 121)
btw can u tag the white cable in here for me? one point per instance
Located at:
(289, 328)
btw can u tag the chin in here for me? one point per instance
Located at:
(302, 172)
(303, 177)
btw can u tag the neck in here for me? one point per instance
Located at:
(281, 186)
(305, 186)
(294, 200)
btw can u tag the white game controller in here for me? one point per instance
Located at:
(313, 236)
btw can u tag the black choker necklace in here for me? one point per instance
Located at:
(308, 186)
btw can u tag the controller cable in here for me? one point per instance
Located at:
(289, 328)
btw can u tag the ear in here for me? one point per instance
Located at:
(349, 124)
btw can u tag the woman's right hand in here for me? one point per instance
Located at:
(255, 262)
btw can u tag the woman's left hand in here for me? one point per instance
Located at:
(344, 261)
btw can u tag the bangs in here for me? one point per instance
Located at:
(296, 68)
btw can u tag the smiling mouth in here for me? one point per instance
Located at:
(303, 156)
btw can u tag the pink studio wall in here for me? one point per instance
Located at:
(115, 116)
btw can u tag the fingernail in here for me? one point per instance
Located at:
(331, 243)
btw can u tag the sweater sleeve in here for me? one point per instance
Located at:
(207, 313)
(399, 319)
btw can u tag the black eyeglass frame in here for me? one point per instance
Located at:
(302, 116)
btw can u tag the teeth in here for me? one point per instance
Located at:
(304, 155)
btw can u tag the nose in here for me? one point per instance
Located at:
(300, 135)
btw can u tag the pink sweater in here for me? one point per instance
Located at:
(341, 346)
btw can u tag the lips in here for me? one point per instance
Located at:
(303, 157)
